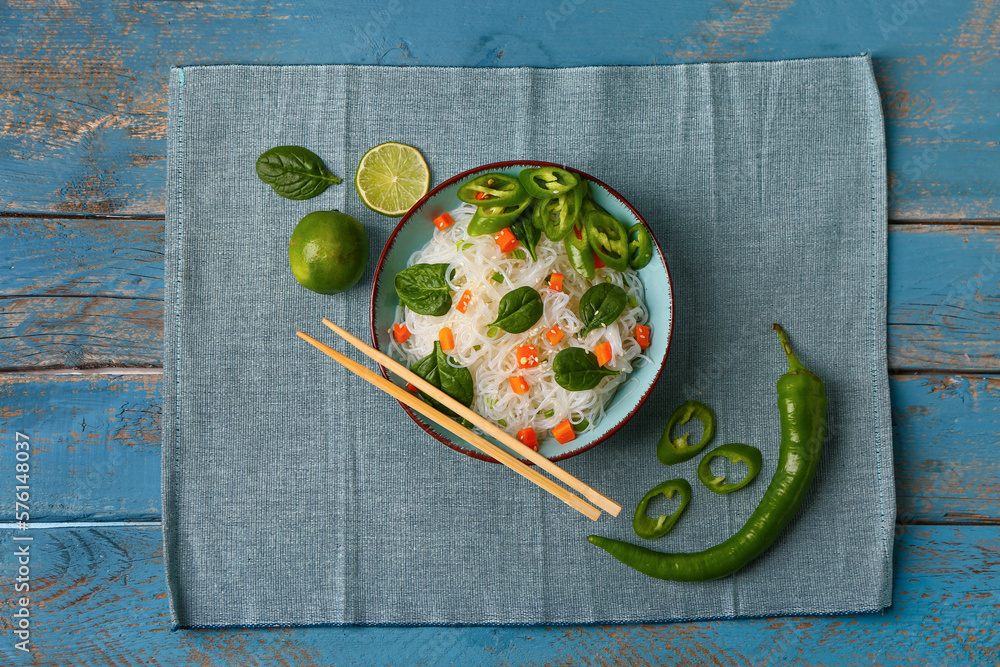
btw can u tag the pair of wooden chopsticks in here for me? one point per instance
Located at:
(475, 440)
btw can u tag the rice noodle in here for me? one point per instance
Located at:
(475, 260)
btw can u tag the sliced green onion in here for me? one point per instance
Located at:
(498, 277)
(549, 414)
(502, 423)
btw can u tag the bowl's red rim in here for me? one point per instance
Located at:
(494, 166)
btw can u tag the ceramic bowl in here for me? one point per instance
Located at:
(415, 230)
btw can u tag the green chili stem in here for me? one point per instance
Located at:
(794, 365)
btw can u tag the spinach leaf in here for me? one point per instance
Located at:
(519, 310)
(576, 369)
(294, 172)
(437, 369)
(527, 234)
(601, 305)
(424, 289)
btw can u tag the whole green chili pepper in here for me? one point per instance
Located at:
(677, 450)
(802, 408)
(649, 528)
(737, 453)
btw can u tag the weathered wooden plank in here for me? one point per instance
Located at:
(89, 293)
(81, 257)
(80, 332)
(946, 431)
(80, 292)
(98, 597)
(83, 100)
(944, 297)
(96, 444)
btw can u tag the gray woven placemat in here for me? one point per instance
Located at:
(294, 494)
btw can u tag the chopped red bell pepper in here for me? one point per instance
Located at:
(444, 221)
(527, 356)
(528, 438)
(518, 384)
(400, 333)
(505, 239)
(446, 338)
(603, 353)
(463, 303)
(642, 335)
(564, 432)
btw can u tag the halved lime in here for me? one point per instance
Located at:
(391, 178)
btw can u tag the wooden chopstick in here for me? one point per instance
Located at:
(591, 494)
(475, 440)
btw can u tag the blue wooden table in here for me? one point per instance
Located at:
(83, 105)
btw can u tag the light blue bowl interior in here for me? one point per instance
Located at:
(416, 230)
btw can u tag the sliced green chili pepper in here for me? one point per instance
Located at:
(558, 226)
(547, 182)
(640, 246)
(589, 204)
(540, 214)
(493, 190)
(556, 217)
(802, 409)
(649, 528)
(737, 453)
(677, 450)
(491, 219)
(608, 238)
(581, 257)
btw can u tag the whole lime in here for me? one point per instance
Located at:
(328, 251)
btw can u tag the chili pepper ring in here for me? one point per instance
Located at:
(802, 406)
(737, 453)
(677, 450)
(649, 528)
